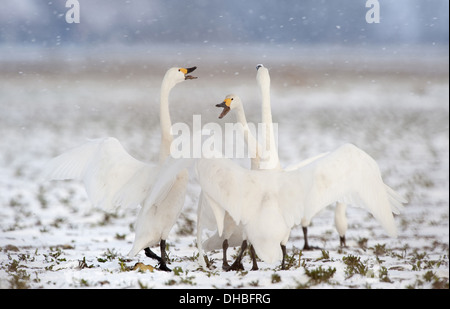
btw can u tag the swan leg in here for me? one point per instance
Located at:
(225, 265)
(162, 263)
(342, 241)
(151, 254)
(253, 255)
(237, 265)
(306, 245)
(283, 250)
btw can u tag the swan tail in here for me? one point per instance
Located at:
(396, 200)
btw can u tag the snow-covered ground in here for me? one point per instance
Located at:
(394, 106)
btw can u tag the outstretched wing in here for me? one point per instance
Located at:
(106, 169)
(347, 174)
(237, 190)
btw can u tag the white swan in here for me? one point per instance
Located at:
(263, 79)
(275, 201)
(235, 103)
(264, 158)
(228, 232)
(114, 178)
(230, 229)
(270, 160)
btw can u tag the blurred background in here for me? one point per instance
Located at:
(208, 23)
(39, 28)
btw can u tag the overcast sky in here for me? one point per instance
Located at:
(43, 22)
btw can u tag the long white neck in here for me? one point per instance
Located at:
(252, 143)
(271, 157)
(164, 120)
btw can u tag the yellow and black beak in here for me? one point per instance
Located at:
(226, 107)
(187, 71)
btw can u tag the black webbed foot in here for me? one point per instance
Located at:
(307, 247)
(164, 267)
(236, 266)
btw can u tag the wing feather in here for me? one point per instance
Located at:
(105, 168)
(231, 185)
(349, 175)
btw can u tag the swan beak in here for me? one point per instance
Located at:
(225, 111)
(187, 71)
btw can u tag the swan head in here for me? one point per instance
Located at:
(230, 102)
(262, 75)
(177, 75)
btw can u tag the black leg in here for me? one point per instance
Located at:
(253, 255)
(306, 245)
(342, 241)
(162, 264)
(225, 265)
(305, 238)
(283, 250)
(237, 265)
(152, 254)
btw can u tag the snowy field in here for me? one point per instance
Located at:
(391, 103)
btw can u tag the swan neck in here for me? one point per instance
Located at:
(270, 145)
(252, 144)
(164, 120)
(266, 107)
(240, 115)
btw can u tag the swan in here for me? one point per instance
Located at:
(229, 233)
(275, 200)
(113, 178)
(233, 102)
(263, 79)
(391, 202)
(262, 159)
(340, 217)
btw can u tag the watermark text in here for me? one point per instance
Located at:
(73, 13)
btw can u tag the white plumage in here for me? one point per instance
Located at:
(228, 232)
(114, 178)
(268, 203)
(275, 201)
(235, 228)
(261, 159)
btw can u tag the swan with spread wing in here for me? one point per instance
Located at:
(233, 102)
(113, 178)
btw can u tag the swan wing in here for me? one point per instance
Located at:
(296, 166)
(348, 175)
(217, 211)
(105, 168)
(229, 184)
